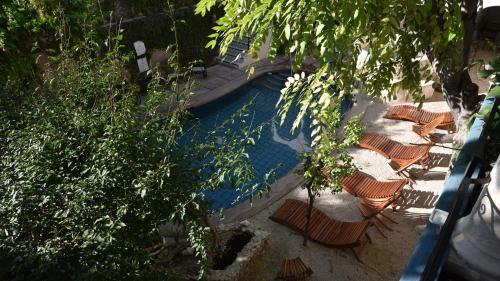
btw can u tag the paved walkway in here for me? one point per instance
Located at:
(222, 80)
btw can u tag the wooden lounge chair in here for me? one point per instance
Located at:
(424, 131)
(375, 195)
(401, 156)
(447, 124)
(361, 185)
(402, 112)
(294, 270)
(412, 113)
(323, 229)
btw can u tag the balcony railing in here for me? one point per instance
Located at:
(459, 194)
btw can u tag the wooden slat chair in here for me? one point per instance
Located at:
(447, 124)
(362, 185)
(425, 130)
(412, 113)
(372, 208)
(401, 156)
(375, 195)
(402, 112)
(323, 229)
(294, 270)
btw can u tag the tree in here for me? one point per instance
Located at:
(28, 28)
(329, 162)
(334, 33)
(391, 34)
(88, 175)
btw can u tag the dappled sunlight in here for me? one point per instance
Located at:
(439, 160)
(423, 176)
(418, 199)
(386, 256)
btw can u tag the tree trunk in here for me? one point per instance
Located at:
(459, 91)
(310, 195)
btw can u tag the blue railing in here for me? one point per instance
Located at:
(432, 250)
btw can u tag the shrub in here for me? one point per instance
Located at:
(87, 176)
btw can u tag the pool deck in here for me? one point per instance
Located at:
(222, 80)
(385, 258)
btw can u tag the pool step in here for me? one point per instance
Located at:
(273, 84)
(231, 58)
(282, 75)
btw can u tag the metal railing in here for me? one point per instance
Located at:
(476, 167)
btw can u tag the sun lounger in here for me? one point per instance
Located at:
(361, 185)
(412, 113)
(375, 195)
(403, 112)
(447, 124)
(401, 156)
(294, 270)
(425, 130)
(323, 229)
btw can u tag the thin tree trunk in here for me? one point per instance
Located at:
(310, 195)
(213, 233)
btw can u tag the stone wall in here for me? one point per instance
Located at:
(252, 251)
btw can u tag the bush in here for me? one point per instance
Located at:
(87, 176)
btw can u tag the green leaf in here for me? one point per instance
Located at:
(287, 31)
(472, 64)
(211, 44)
(320, 27)
(451, 36)
(302, 46)
(495, 64)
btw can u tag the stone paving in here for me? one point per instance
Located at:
(222, 79)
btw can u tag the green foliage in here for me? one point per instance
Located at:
(492, 74)
(145, 7)
(80, 173)
(225, 147)
(330, 161)
(192, 32)
(87, 176)
(391, 33)
(27, 28)
(88, 173)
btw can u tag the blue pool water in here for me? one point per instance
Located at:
(276, 147)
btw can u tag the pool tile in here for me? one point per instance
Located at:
(267, 153)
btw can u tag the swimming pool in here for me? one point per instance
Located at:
(276, 145)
